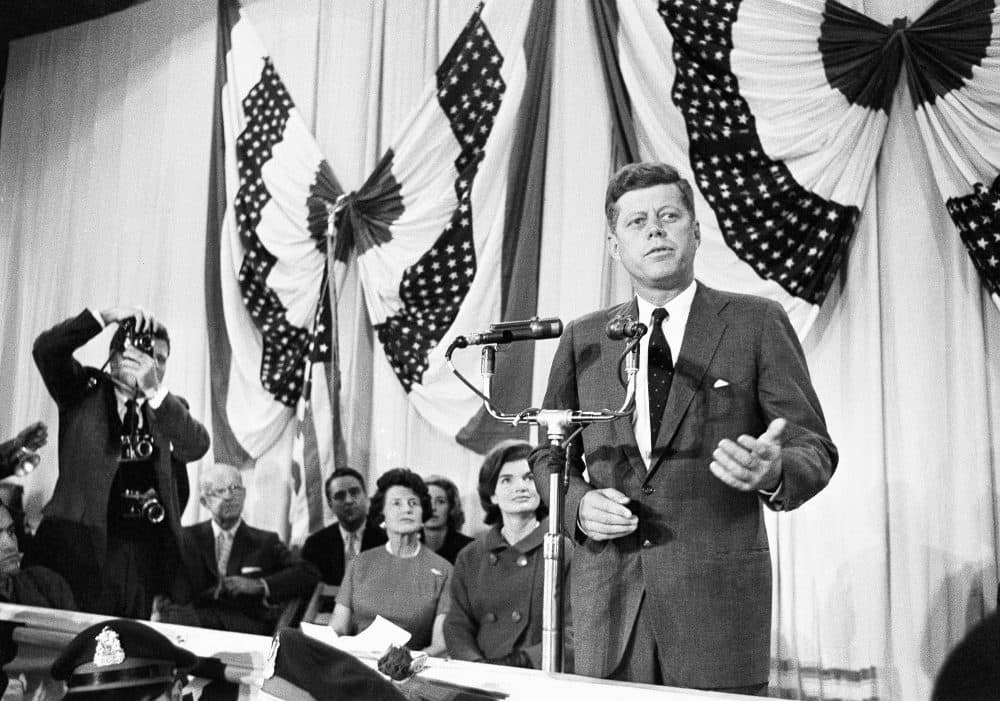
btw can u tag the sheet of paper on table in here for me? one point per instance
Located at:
(373, 640)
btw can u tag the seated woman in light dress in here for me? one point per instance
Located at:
(403, 581)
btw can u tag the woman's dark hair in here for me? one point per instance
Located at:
(398, 477)
(501, 454)
(456, 515)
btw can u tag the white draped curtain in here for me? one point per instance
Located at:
(104, 158)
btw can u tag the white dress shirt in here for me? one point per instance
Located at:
(678, 309)
(345, 535)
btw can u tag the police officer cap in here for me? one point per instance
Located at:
(119, 654)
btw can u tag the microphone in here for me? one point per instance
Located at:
(625, 327)
(510, 331)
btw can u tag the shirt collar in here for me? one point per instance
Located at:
(231, 532)
(679, 307)
(123, 397)
(345, 534)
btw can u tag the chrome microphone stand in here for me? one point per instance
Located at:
(557, 424)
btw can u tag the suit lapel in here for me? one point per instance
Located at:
(610, 352)
(701, 339)
(241, 546)
(205, 537)
(337, 549)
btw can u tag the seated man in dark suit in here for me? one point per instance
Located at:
(236, 577)
(331, 548)
(31, 586)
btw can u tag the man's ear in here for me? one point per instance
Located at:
(613, 251)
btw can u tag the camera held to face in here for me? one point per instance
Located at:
(145, 505)
(141, 341)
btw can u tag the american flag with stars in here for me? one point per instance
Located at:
(784, 231)
(777, 109)
(270, 285)
(437, 272)
(287, 348)
(470, 91)
(977, 217)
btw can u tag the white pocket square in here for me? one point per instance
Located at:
(720, 383)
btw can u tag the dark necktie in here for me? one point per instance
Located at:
(659, 374)
(131, 420)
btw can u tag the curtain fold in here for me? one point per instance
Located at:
(104, 156)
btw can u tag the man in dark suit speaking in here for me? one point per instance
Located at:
(672, 582)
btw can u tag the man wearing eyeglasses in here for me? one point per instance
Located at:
(331, 548)
(236, 577)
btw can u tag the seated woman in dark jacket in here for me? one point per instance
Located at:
(443, 530)
(496, 588)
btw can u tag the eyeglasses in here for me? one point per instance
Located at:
(341, 494)
(232, 489)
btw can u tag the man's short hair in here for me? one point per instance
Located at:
(206, 480)
(344, 472)
(637, 176)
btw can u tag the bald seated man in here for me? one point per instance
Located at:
(235, 577)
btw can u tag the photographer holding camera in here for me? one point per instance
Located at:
(112, 527)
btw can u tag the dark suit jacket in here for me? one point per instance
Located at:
(325, 549)
(76, 515)
(257, 554)
(700, 553)
(497, 598)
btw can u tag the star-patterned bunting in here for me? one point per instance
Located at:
(470, 90)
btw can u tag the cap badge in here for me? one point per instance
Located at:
(109, 649)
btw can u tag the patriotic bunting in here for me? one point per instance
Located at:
(431, 226)
(953, 70)
(270, 300)
(708, 86)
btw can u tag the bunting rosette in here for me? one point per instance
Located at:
(441, 227)
(269, 279)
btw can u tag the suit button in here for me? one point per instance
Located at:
(648, 490)
(522, 561)
(647, 543)
(516, 616)
(491, 617)
(493, 558)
